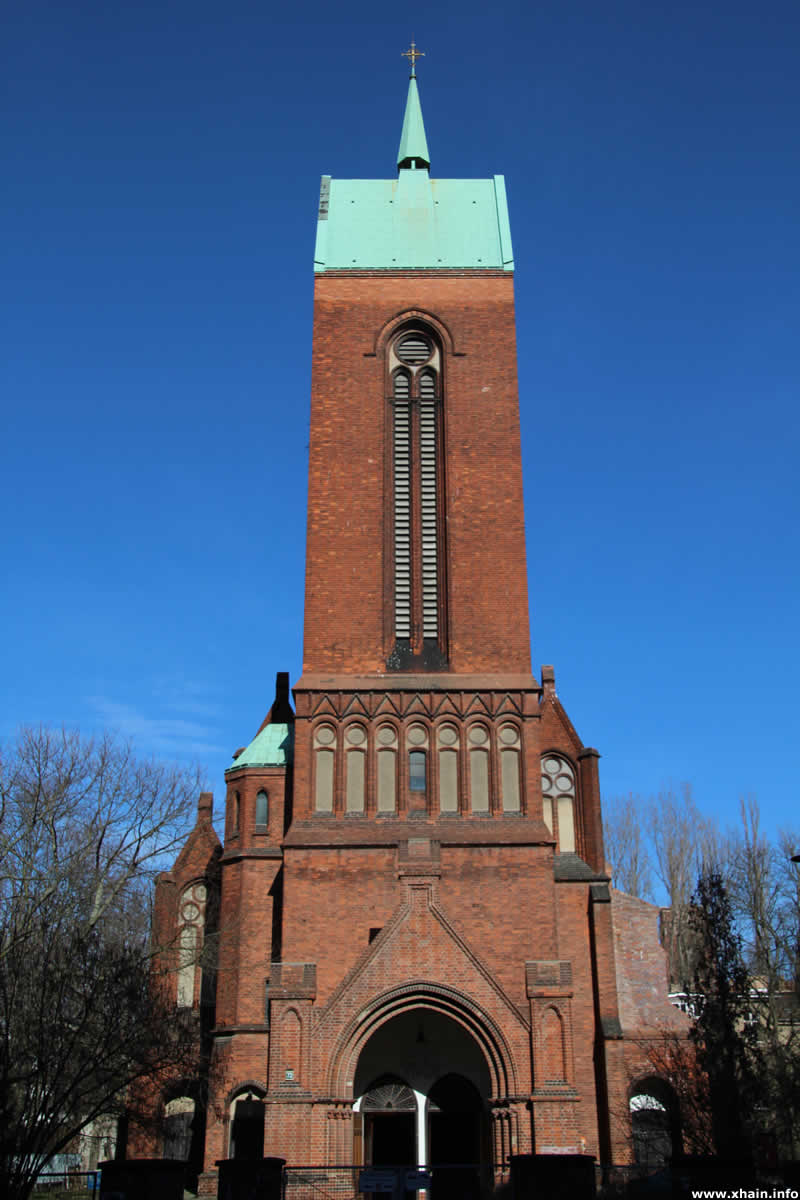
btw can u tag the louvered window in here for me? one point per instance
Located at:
(402, 505)
(427, 496)
(413, 348)
(418, 541)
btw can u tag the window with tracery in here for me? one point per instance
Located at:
(355, 767)
(418, 553)
(324, 759)
(190, 937)
(389, 1095)
(509, 743)
(386, 754)
(447, 737)
(558, 799)
(478, 740)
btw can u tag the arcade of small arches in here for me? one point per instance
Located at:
(447, 769)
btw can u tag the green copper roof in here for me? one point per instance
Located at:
(413, 222)
(413, 145)
(271, 747)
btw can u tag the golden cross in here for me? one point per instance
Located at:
(412, 55)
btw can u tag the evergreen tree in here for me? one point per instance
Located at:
(725, 1032)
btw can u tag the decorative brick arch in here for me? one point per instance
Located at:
(414, 316)
(438, 998)
(245, 1085)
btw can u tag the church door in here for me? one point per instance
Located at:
(456, 1138)
(389, 1124)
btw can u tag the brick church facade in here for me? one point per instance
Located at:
(417, 954)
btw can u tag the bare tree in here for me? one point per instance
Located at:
(732, 934)
(83, 827)
(624, 835)
(685, 844)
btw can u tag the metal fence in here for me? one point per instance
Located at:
(67, 1180)
(448, 1182)
(465, 1181)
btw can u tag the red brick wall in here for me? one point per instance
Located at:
(347, 606)
(642, 968)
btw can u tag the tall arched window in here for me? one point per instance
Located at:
(418, 552)
(478, 739)
(509, 767)
(387, 768)
(324, 755)
(558, 798)
(447, 738)
(355, 767)
(191, 915)
(417, 747)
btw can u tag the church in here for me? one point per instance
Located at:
(407, 949)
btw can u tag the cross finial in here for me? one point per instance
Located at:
(412, 55)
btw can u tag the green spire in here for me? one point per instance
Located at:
(413, 150)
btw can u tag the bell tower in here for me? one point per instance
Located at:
(416, 553)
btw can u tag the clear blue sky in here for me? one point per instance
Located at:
(162, 164)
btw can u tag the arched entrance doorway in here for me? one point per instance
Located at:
(389, 1116)
(421, 1088)
(654, 1123)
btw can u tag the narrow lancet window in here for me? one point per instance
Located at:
(355, 760)
(416, 771)
(387, 769)
(479, 769)
(418, 515)
(448, 769)
(324, 742)
(509, 767)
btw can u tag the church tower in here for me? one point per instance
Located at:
(416, 581)
(418, 961)
(422, 812)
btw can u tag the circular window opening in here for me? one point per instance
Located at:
(413, 349)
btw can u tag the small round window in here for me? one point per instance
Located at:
(413, 349)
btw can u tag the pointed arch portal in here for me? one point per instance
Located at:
(421, 1089)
